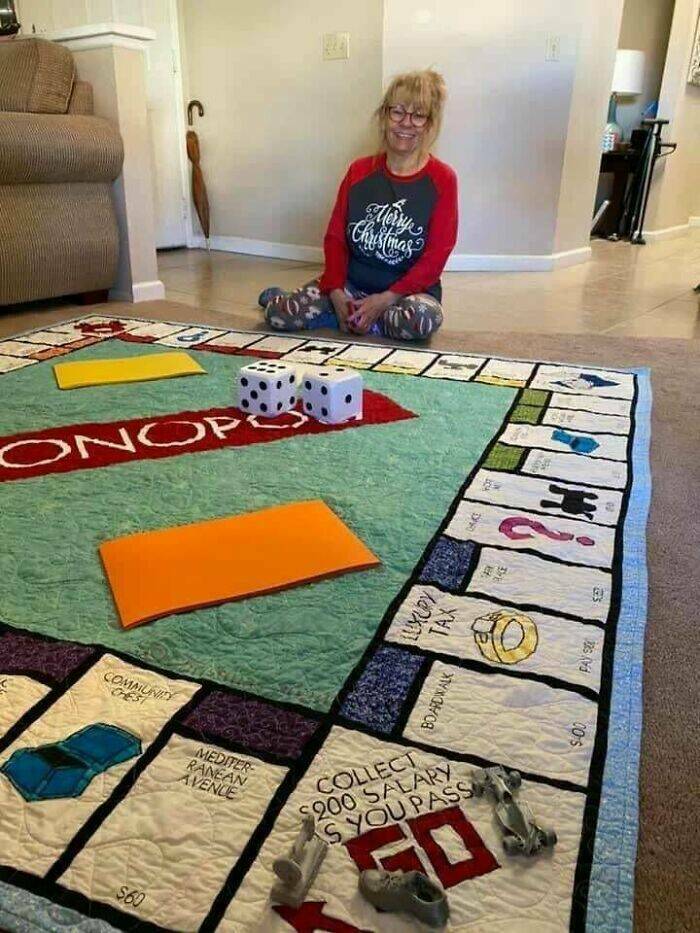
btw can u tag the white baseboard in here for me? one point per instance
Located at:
(694, 222)
(148, 291)
(667, 233)
(571, 257)
(140, 291)
(239, 244)
(458, 262)
(470, 262)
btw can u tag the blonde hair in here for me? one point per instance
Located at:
(426, 91)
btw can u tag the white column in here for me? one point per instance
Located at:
(111, 57)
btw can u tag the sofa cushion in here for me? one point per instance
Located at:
(36, 76)
(57, 240)
(47, 148)
(81, 101)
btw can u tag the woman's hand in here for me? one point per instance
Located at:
(368, 310)
(341, 306)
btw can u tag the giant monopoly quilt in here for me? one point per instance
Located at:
(150, 776)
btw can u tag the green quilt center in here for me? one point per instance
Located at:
(391, 484)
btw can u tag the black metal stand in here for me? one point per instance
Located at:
(9, 24)
(654, 150)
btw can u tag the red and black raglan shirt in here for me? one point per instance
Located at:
(391, 231)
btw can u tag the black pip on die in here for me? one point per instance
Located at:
(332, 395)
(267, 389)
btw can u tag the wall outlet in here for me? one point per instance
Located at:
(336, 45)
(553, 51)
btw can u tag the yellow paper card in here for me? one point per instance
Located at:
(128, 369)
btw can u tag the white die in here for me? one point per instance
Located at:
(332, 394)
(267, 388)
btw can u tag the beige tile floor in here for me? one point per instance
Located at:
(635, 291)
(623, 290)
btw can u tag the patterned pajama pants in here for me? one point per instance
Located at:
(412, 317)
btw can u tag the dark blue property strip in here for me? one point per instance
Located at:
(448, 564)
(377, 698)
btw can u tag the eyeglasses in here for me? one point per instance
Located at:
(397, 114)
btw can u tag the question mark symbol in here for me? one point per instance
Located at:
(509, 527)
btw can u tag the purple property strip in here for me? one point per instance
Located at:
(30, 655)
(255, 724)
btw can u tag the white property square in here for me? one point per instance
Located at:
(33, 837)
(564, 538)
(455, 366)
(17, 695)
(583, 381)
(506, 373)
(314, 352)
(190, 337)
(586, 421)
(376, 801)
(593, 403)
(575, 469)
(505, 638)
(10, 363)
(408, 362)
(20, 348)
(585, 503)
(359, 356)
(233, 340)
(515, 722)
(583, 592)
(200, 804)
(565, 440)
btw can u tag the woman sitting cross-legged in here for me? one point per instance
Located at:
(392, 229)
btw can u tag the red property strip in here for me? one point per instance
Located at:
(211, 348)
(88, 446)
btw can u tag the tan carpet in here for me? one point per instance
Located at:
(668, 865)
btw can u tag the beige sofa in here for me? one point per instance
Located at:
(58, 231)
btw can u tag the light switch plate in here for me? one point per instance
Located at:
(336, 45)
(553, 52)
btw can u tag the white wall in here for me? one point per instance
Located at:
(646, 25)
(599, 27)
(281, 124)
(50, 15)
(523, 132)
(675, 192)
(507, 117)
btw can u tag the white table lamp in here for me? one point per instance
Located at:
(628, 80)
(628, 77)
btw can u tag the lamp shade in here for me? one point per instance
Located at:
(628, 77)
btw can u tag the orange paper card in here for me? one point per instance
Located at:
(156, 573)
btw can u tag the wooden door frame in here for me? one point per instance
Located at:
(179, 80)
